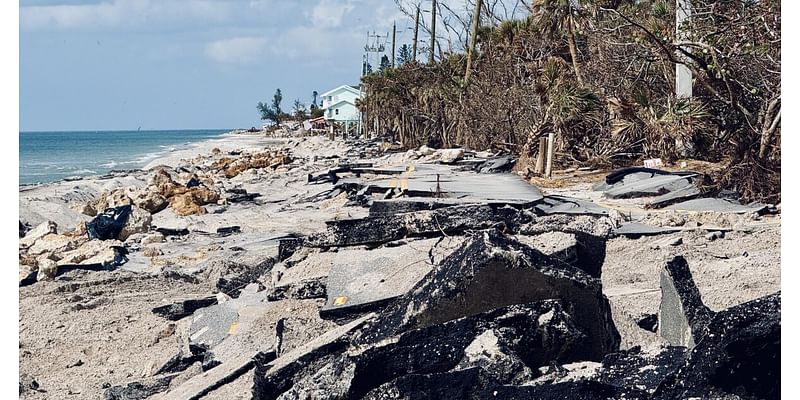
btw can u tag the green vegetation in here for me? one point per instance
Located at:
(404, 55)
(272, 112)
(601, 76)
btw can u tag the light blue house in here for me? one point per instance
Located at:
(340, 104)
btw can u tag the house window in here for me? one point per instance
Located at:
(337, 111)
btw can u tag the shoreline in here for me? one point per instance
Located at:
(230, 139)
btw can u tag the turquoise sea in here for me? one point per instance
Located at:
(51, 156)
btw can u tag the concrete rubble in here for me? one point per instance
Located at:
(304, 268)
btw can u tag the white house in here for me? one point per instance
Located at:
(340, 104)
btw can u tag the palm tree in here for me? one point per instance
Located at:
(553, 17)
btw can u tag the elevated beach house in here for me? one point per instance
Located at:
(340, 106)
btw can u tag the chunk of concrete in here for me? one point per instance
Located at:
(560, 245)
(682, 316)
(591, 234)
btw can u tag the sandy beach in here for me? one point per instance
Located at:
(83, 333)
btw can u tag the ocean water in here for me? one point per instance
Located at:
(51, 156)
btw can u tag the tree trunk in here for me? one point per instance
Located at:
(476, 20)
(768, 130)
(573, 51)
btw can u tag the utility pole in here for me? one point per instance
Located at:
(416, 31)
(683, 76)
(433, 32)
(394, 36)
(476, 20)
(375, 47)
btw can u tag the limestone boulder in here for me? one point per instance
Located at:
(150, 199)
(55, 244)
(151, 252)
(185, 204)
(47, 270)
(43, 229)
(92, 252)
(153, 238)
(161, 182)
(111, 199)
(139, 221)
(192, 201)
(425, 150)
(449, 156)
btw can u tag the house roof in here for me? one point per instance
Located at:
(348, 88)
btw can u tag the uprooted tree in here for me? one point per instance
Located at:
(525, 84)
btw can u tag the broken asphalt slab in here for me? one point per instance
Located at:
(739, 354)
(180, 309)
(503, 343)
(445, 181)
(360, 279)
(277, 375)
(439, 222)
(491, 270)
(719, 205)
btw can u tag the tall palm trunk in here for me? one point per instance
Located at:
(573, 51)
(476, 20)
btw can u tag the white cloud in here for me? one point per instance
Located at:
(301, 43)
(121, 13)
(240, 50)
(330, 13)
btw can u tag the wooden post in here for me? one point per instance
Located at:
(542, 154)
(331, 135)
(549, 169)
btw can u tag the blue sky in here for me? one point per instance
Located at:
(183, 64)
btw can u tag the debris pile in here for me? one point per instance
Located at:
(327, 276)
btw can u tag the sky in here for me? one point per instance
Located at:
(186, 64)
